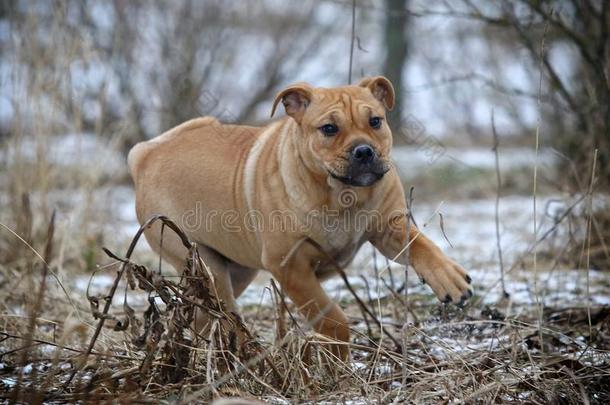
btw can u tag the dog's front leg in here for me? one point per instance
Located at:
(448, 280)
(300, 284)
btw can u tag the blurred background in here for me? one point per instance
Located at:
(501, 131)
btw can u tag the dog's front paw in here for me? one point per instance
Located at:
(448, 280)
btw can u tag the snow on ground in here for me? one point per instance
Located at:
(88, 152)
(410, 159)
(470, 227)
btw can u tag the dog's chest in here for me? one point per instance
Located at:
(340, 236)
(341, 256)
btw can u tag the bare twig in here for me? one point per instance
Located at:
(351, 48)
(589, 222)
(496, 145)
(117, 280)
(543, 61)
(36, 309)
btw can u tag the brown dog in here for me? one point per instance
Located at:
(251, 196)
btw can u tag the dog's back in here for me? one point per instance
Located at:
(138, 153)
(192, 174)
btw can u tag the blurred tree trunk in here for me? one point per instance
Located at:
(591, 93)
(396, 44)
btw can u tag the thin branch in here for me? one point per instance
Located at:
(497, 209)
(115, 285)
(351, 49)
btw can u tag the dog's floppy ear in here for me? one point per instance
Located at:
(295, 98)
(381, 88)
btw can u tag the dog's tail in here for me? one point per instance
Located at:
(135, 156)
(139, 151)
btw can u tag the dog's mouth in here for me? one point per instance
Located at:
(361, 176)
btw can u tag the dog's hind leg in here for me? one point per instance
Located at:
(222, 287)
(241, 277)
(173, 252)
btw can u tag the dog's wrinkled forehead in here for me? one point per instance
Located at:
(371, 95)
(344, 105)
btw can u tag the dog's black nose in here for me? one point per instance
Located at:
(363, 153)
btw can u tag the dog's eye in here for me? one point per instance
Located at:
(375, 122)
(329, 129)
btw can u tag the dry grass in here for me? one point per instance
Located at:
(146, 350)
(58, 344)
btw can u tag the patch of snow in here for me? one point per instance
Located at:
(101, 284)
(85, 151)
(27, 369)
(96, 283)
(411, 159)
(358, 365)
(259, 292)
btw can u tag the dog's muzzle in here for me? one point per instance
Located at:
(365, 167)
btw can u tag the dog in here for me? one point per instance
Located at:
(257, 187)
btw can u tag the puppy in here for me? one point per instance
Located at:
(295, 197)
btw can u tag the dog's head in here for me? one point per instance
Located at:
(344, 130)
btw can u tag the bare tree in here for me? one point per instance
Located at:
(577, 107)
(130, 70)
